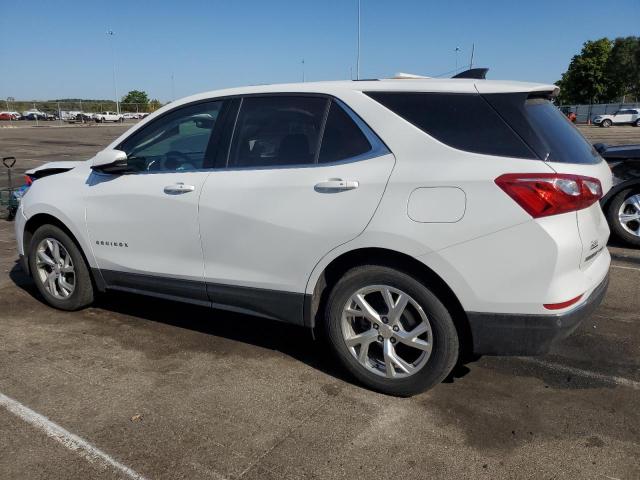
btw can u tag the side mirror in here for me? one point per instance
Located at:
(110, 161)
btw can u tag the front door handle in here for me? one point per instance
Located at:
(336, 185)
(178, 188)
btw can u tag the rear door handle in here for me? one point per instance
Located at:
(178, 188)
(336, 185)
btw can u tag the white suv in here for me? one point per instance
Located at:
(627, 116)
(412, 221)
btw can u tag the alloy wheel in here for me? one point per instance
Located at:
(629, 214)
(55, 268)
(387, 331)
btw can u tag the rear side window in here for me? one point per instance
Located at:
(563, 141)
(277, 130)
(342, 138)
(463, 121)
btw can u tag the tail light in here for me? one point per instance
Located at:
(545, 194)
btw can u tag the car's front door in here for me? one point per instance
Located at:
(143, 225)
(304, 175)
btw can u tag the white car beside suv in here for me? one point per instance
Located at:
(413, 221)
(626, 116)
(108, 117)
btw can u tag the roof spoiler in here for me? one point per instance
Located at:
(477, 73)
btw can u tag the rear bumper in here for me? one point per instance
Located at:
(513, 334)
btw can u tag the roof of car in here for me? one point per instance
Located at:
(406, 84)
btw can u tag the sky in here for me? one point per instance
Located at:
(61, 49)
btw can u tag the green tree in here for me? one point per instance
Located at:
(585, 81)
(137, 96)
(154, 105)
(623, 70)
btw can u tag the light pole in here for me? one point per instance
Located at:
(113, 57)
(358, 55)
(457, 51)
(303, 70)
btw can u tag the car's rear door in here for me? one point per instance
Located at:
(303, 175)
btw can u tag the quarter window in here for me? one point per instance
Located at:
(463, 121)
(342, 138)
(177, 141)
(277, 130)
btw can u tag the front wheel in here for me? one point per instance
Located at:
(606, 123)
(59, 269)
(390, 331)
(623, 216)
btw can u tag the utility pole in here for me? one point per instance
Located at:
(457, 51)
(173, 88)
(113, 57)
(303, 70)
(358, 56)
(473, 49)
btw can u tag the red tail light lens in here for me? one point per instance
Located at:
(545, 194)
(558, 306)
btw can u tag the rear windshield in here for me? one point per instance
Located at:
(563, 140)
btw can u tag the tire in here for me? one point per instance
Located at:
(430, 367)
(622, 203)
(82, 293)
(637, 123)
(606, 123)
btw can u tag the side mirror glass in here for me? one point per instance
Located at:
(111, 161)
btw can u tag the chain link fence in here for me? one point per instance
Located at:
(586, 113)
(69, 110)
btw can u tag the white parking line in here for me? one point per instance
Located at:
(66, 438)
(620, 381)
(625, 268)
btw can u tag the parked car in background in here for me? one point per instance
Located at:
(414, 235)
(622, 203)
(131, 116)
(80, 117)
(627, 116)
(6, 115)
(108, 117)
(36, 115)
(52, 115)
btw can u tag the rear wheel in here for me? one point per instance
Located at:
(59, 269)
(637, 123)
(623, 215)
(390, 331)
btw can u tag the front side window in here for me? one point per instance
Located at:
(176, 141)
(277, 130)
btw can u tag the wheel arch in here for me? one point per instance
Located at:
(333, 271)
(40, 219)
(606, 200)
